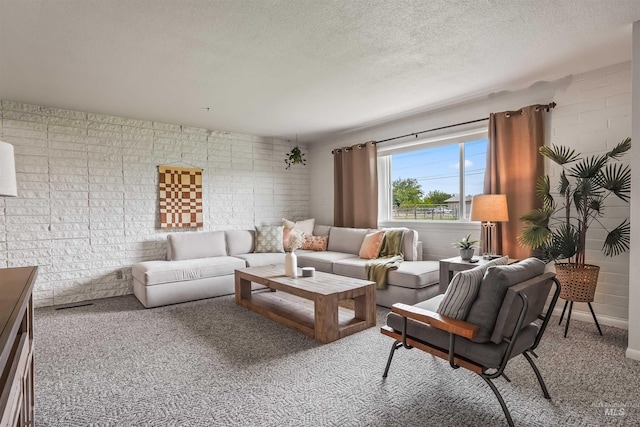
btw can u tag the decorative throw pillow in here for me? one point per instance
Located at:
(306, 225)
(269, 239)
(371, 245)
(463, 289)
(316, 243)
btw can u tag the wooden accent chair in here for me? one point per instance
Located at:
(486, 341)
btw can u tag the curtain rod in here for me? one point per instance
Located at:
(545, 106)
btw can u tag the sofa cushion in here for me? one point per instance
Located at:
(201, 244)
(347, 240)
(240, 241)
(484, 310)
(415, 274)
(463, 289)
(321, 230)
(157, 272)
(258, 259)
(321, 261)
(351, 267)
(269, 239)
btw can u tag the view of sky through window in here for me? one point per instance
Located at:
(438, 169)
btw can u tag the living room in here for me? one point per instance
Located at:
(87, 150)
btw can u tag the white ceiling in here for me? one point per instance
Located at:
(287, 67)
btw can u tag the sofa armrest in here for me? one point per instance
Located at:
(447, 324)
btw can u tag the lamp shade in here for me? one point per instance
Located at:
(489, 207)
(8, 187)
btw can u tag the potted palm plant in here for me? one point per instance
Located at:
(559, 232)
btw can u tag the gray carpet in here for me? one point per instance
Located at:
(210, 363)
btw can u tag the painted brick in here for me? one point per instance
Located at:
(87, 204)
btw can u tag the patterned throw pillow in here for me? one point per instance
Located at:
(463, 289)
(269, 239)
(316, 243)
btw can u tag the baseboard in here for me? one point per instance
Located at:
(632, 354)
(585, 316)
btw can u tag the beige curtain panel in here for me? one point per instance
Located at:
(356, 186)
(513, 166)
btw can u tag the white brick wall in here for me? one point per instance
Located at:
(87, 205)
(592, 116)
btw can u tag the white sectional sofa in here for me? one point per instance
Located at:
(202, 264)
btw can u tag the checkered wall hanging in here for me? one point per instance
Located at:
(180, 197)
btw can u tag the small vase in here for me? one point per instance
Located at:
(291, 264)
(466, 254)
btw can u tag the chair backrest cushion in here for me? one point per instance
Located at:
(484, 310)
(536, 291)
(202, 244)
(463, 289)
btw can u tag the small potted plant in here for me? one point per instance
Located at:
(466, 247)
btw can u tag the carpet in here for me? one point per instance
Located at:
(213, 363)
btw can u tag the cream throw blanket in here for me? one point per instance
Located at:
(389, 258)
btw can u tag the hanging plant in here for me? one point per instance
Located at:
(295, 157)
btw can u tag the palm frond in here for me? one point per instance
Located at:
(565, 242)
(543, 191)
(617, 179)
(618, 239)
(589, 167)
(539, 216)
(559, 154)
(620, 149)
(534, 236)
(564, 184)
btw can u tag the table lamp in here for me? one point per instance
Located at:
(489, 208)
(8, 187)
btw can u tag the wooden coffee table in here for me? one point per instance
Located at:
(309, 304)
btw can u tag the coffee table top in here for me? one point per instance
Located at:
(321, 283)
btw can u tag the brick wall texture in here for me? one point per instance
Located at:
(592, 116)
(87, 205)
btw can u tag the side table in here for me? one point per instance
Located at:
(450, 266)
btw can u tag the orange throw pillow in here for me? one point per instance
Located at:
(371, 245)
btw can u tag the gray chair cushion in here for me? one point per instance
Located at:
(152, 273)
(488, 355)
(240, 241)
(202, 244)
(484, 310)
(347, 240)
(463, 289)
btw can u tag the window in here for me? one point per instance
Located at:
(433, 179)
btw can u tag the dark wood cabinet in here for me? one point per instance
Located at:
(16, 346)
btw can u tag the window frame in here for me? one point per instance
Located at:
(385, 187)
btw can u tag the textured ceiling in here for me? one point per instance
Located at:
(287, 67)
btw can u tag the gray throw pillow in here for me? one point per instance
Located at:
(269, 239)
(463, 289)
(484, 310)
